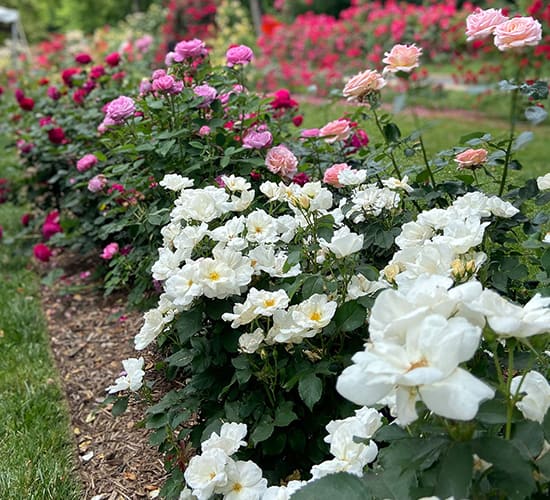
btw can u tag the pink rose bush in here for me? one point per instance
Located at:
(239, 55)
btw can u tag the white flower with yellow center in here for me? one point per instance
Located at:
(396, 184)
(167, 264)
(244, 481)
(234, 183)
(314, 313)
(261, 227)
(250, 342)
(206, 474)
(184, 286)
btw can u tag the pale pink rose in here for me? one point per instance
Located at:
(307, 133)
(362, 84)
(402, 58)
(331, 174)
(204, 130)
(120, 109)
(471, 158)
(239, 55)
(109, 251)
(257, 139)
(337, 130)
(86, 162)
(518, 32)
(482, 23)
(280, 160)
(97, 183)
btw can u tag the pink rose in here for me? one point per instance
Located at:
(120, 109)
(167, 84)
(307, 133)
(402, 58)
(189, 49)
(97, 183)
(337, 130)
(42, 252)
(280, 160)
(331, 174)
(53, 93)
(144, 87)
(363, 84)
(518, 32)
(86, 162)
(471, 158)
(83, 58)
(239, 55)
(482, 23)
(109, 251)
(113, 59)
(204, 130)
(257, 140)
(144, 43)
(207, 93)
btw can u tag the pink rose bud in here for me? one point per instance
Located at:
(109, 251)
(331, 174)
(281, 161)
(517, 32)
(86, 162)
(482, 23)
(471, 158)
(240, 54)
(337, 130)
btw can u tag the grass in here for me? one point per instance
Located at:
(36, 449)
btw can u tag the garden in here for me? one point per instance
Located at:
(273, 250)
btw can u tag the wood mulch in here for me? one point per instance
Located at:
(90, 336)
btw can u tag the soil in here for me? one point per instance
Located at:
(90, 336)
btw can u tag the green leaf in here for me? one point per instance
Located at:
(522, 139)
(468, 137)
(120, 406)
(350, 316)
(528, 437)
(263, 429)
(284, 414)
(312, 285)
(545, 260)
(455, 472)
(165, 147)
(188, 323)
(492, 412)
(390, 433)
(334, 486)
(310, 389)
(181, 358)
(392, 132)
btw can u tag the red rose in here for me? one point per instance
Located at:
(42, 252)
(56, 135)
(113, 59)
(97, 72)
(25, 219)
(67, 75)
(26, 103)
(83, 58)
(297, 120)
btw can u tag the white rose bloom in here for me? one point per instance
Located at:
(474, 203)
(462, 234)
(352, 177)
(186, 494)
(132, 378)
(546, 238)
(261, 227)
(265, 302)
(264, 259)
(175, 182)
(286, 227)
(320, 198)
(166, 265)
(169, 233)
(152, 327)
(216, 278)
(285, 330)
(536, 401)
(543, 182)
(271, 190)
(343, 242)
(230, 233)
(511, 320)
(436, 218)
(250, 342)
(413, 234)
(394, 184)
(501, 208)
(425, 367)
(242, 314)
(314, 313)
(203, 205)
(184, 286)
(244, 481)
(360, 286)
(430, 258)
(234, 183)
(372, 200)
(229, 440)
(206, 473)
(240, 263)
(242, 202)
(190, 236)
(283, 492)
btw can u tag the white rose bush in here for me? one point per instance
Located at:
(337, 317)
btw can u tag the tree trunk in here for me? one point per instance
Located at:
(256, 13)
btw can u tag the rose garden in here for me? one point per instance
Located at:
(272, 250)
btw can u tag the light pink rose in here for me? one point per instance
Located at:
(482, 23)
(167, 84)
(120, 109)
(331, 174)
(256, 139)
(402, 58)
(204, 130)
(97, 183)
(337, 130)
(518, 32)
(86, 162)
(308, 133)
(189, 49)
(280, 160)
(239, 55)
(207, 93)
(144, 43)
(362, 84)
(471, 158)
(144, 87)
(109, 251)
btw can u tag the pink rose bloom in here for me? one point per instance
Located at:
(109, 251)
(239, 55)
(204, 130)
(518, 32)
(363, 84)
(280, 160)
(167, 84)
(358, 140)
(53, 93)
(113, 59)
(337, 130)
(42, 252)
(331, 174)
(144, 87)
(471, 158)
(482, 23)
(207, 93)
(144, 43)
(309, 132)
(83, 58)
(86, 162)
(254, 139)
(97, 183)
(120, 109)
(402, 58)
(158, 73)
(189, 49)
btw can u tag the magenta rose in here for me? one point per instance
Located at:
(189, 49)
(56, 135)
(120, 109)
(207, 93)
(83, 58)
(281, 161)
(109, 251)
(240, 54)
(86, 162)
(97, 183)
(113, 59)
(53, 93)
(257, 140)
(42, 252)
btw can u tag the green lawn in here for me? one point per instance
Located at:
(36, 449)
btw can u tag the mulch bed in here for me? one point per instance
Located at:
(90, 336)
